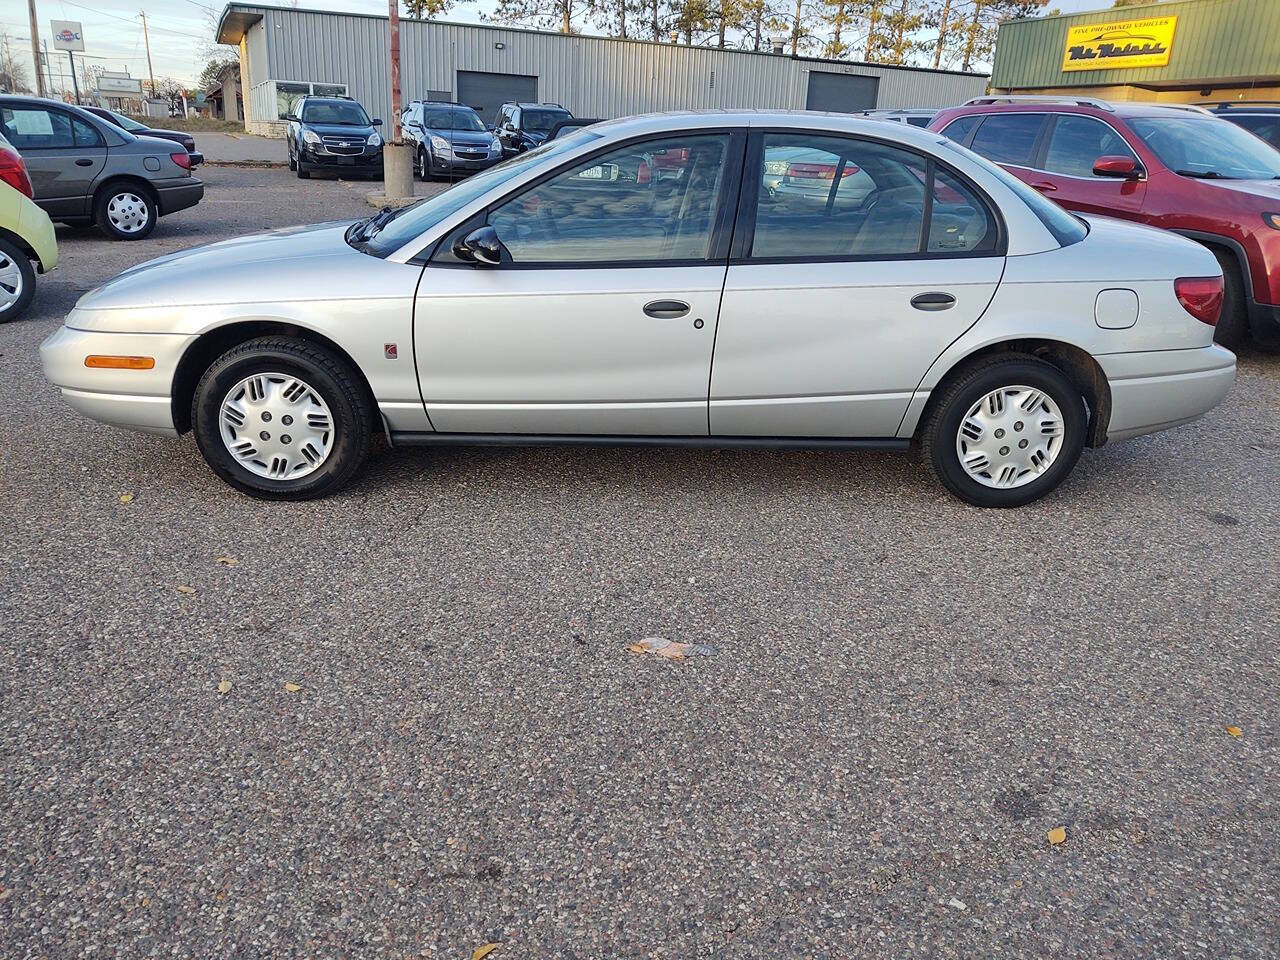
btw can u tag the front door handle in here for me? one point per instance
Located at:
(1044, 186)
(666, 309)
(933, 301)
(84, 162)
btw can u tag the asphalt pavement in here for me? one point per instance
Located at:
(434, 737)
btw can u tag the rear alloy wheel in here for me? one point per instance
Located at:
(126, 212)
(1006, 433)
(17, 281)
(282, 419)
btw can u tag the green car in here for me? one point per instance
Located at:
(27, 241)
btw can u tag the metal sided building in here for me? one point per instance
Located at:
(1180, 51)
(287, 52)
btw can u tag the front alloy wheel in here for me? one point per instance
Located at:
(1005, 432)
(282, 418)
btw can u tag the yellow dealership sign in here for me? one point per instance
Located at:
(1125, 43)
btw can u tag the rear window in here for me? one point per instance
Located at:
(1065, 228)
(1008, 137)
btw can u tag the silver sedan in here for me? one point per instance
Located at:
(639, 282)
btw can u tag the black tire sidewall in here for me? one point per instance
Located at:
(104, 222)
(946, 426)
(19, 306)
(349, 446)
(1233, 322)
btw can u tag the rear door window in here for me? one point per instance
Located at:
(1009, 137)
(960, 128)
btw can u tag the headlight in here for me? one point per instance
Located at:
(374, 140)
(495, 143)
(1272, 220)
(439, 144)
(310, 136)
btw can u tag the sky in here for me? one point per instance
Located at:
(181, 33)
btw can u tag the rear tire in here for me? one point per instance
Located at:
(1232, 330)
(281, 418)
(17, 281)
(1025, 460)
(125, 211)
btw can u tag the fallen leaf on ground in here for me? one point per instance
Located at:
(228, 561)
(224, 686)
(1057, 835)
(292, 687)
(480, 952)
(1235, 731)
(667, 649)
(185, 589)
(126, 498)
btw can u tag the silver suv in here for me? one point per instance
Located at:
(85, 170)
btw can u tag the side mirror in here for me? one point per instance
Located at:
(1122, 168)
(288, 116)
(481, 246)
(377, 122)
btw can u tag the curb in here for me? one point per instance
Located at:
(245, 163)
(380, 200)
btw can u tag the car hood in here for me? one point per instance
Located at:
(230, 271)
(338, 130)
(1261, 189)
(479, 138)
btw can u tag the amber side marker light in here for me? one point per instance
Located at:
(120, 363)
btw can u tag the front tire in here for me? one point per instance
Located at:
(293, 160)
(282, 418)
(1232, 330)
(17, 282)
(1006, 432)
(126, 212)
(303, 172)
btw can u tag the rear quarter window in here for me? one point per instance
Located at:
(1008, 137)
(960, 128)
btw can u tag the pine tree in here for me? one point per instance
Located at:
(543, 14)
(427, 9)
(900, 23)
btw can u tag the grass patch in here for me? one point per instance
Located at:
(193, 124)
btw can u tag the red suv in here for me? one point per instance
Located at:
(1180, 168)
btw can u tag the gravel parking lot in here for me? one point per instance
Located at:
(905, 694)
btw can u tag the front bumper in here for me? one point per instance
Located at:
(178, 194)
(133, 399)
(1264, 324)
(369, 158)
(455, 163)
(1156, 390)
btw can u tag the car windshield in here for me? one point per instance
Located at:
(120, 120)
(338, 112)
(543, 120)
(1208, 148)
(446, 118)
(379, 237)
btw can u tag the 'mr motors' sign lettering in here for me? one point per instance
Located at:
(1126, 43)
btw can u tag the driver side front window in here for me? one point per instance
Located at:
(650, 201)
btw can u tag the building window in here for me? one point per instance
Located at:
(289, 92)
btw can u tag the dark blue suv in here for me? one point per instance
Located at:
(333, 133)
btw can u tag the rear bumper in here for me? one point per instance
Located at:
(1156, 390)
(175, 196)
(133, 399)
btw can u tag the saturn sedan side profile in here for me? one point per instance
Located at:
(637, 282)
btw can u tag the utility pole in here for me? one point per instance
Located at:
(147, 41)
(35, 47)
(397, 165)
(75, 84)
(48, 66)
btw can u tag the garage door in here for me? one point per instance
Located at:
(486, 92)
(841, 92)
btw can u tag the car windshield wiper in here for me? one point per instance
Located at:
(1204, 174)
(363, 230)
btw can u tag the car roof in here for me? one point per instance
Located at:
(1083, 105)
(523, 104)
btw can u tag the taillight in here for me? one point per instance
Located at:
(182, 159)
(1201, 297)
(14, 172)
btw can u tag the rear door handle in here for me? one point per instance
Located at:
(1044, 186)
(84, 162)
(933, 301)
(666, 309)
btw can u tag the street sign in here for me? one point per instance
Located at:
(67, 35)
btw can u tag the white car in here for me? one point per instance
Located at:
(676, 302)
